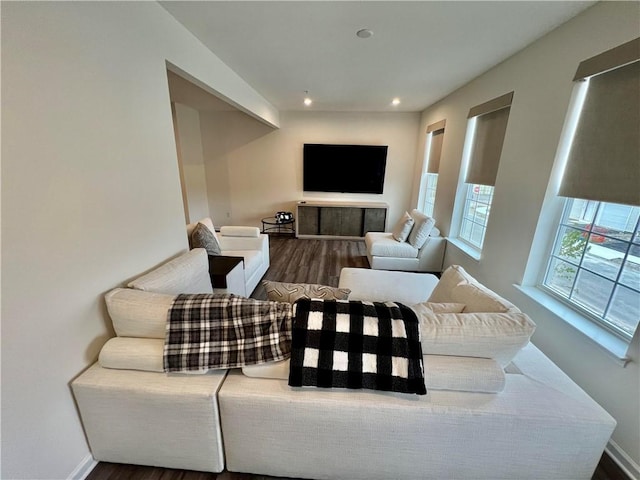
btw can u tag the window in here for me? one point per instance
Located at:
(475, 214)
(429, 180)
(487, 127)
(595, 263)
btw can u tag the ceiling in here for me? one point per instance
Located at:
(420, 50)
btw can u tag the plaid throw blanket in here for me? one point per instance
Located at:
(353, 344)
(206, 331)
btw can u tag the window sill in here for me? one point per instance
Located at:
(611, 344)
(466, 248)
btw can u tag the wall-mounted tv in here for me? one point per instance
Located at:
(344, 168)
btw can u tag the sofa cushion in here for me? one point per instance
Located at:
(124, 353)
(188, 273)
(402, 228)
(445, 307)
(421, 229)
(202, 237)
(136, 313)
(477, 298)
(488, 335)
(441, 372)
(290, 292)
(384, 245)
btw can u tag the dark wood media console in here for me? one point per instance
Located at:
(324, 219)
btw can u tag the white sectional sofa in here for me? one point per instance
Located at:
(245, 242)
(413, 245)
(536, 425)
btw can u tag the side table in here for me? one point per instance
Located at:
(273, 225)
(227, 274)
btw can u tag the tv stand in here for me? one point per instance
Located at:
(346, 220)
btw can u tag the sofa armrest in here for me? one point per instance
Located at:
(261, 242)
(252, 232)
(431, 255)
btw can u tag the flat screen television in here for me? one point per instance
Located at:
(344, 168)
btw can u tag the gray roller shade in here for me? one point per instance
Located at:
(604, 158)
(491, 125)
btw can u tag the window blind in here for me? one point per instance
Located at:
(604, 158)
(491, 126)
(437, 135)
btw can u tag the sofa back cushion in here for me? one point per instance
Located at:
(403, 227)
(136, 313)
(499, 336)
(188, 273)
(421, 229)
(457, 286)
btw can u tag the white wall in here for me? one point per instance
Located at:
(264, 167)
(90, 197)
(191, 162)
(541, 77)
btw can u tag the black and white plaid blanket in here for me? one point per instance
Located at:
(353, 344)
(206, 331)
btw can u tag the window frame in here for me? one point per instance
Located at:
(575, 305)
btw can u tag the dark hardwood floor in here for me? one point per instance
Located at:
(298, 261)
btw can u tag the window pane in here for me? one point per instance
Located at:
(581, 213)
(630, 275)
(477, 235)
(604, 256)
(618, 221)
(592, 292)
(477, 206)
(571, 244)
(624, 309)
(560, 277)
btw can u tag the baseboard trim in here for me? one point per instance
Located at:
(624, 461)
(84, 468)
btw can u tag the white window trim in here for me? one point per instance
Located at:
(544, 239)
(610, 343)
(423, 171)
(461, 194)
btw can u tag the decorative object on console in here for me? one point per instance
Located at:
(356, 345)
(290, 292)
(402, 229)
(283, 217)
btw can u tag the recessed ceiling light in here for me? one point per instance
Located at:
(395, 101)
(307, 99)
(364, 33)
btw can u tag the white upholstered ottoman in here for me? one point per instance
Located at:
(378, 285)
(150, 418)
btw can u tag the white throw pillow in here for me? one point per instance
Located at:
(487, 335)
(451, 277)
(421, 229)
(478, 299)
(402, 229)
